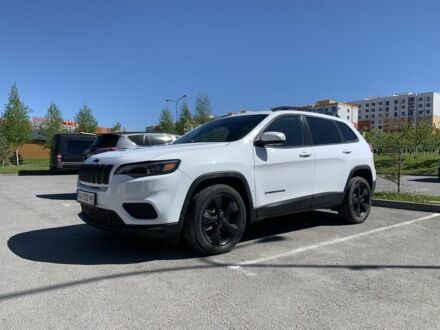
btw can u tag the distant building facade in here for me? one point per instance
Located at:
(343, 110)
(68, 125)
(392, 112)
(152, 129)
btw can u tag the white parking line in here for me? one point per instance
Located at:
(238, 265)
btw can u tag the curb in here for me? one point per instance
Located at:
(383, 175)
(435, 208)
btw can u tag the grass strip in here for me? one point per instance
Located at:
(408, 197)
(34, 165)
(422, 163)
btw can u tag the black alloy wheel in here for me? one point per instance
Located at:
(220, 220)
(216, 220)
(361, 199)
(357, 201)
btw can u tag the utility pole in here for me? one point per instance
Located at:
(176, 102)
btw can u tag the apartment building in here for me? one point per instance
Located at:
(392, 112)
(343, 110)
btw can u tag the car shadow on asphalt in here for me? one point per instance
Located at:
(59, 197)
(270, 230)
(84, 245)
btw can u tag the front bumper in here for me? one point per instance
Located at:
(163, 194)
(110, 221)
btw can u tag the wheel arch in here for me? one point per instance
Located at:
(364, 171)
(234, 179)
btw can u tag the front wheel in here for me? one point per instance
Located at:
(216, 220)
(357, 201)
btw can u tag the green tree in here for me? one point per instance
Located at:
(375, 138)
(166, 124)
(17, 129)
(395, 144)
(203, 112)
(436, 137)
(185, 122)
(5, 148)
(424, 134)
(85, 119)
(52, 125)
(117, 127)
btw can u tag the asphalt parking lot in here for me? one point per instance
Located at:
(422, 184)
(301, 271)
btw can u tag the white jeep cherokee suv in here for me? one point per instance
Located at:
(229, 173)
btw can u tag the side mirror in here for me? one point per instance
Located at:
(271, 138)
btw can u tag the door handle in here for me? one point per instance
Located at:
(305, 154)
(346, 151)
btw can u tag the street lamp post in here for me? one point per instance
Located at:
(176, 101)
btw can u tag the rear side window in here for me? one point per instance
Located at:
(138, 139)
(77, 146)
(160, 139)
(106, 141)
(292, 128)
(324, 131)
(347, 132)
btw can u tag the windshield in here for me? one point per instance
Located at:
(223, 130)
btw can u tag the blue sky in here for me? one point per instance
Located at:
(124, 58)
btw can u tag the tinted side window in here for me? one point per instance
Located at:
(138, 139)
(106, 141)
(347, 132)
(291, 126)
(324, 131)
(77, 146)
(159, 139)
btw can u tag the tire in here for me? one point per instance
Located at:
(216, 220)
(353, 210)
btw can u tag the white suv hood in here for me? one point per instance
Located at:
(173, 151)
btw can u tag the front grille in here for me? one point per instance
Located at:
(98, 174)
(103, 218)
(110, 220)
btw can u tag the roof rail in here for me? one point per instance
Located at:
(306, 108)
(330, 114)
(289, 107)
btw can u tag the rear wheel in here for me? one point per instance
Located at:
(357, 201)
(216, 220)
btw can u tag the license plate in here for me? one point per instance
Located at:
(85, 197)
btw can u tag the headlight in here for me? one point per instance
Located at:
(139, 170)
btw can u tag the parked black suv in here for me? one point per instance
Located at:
(127, 140)
(68, 149)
